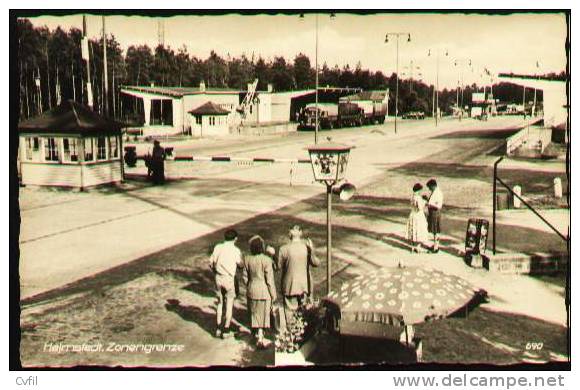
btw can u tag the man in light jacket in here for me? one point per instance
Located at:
(224, 262)
(294, 260)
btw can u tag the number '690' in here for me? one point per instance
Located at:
(534, 346)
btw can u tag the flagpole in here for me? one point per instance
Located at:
(105, 73)
(86, 57)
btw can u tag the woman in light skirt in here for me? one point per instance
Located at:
(417, 222)
(261, 290)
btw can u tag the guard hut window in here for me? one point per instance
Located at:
(101, 148)
(70, 151)
(50, 149)
(113, 147)
(31, 148)
(89, 149)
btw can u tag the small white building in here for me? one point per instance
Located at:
(70, 146)
(165, 110)
(209, 119)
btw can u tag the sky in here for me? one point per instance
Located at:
(501, 43)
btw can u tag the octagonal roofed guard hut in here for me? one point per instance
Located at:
(70, 146)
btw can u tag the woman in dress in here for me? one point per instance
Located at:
(417, 222)
(261, 290)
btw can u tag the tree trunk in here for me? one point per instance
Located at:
(72, 66)
(26, 91)
(48, 77)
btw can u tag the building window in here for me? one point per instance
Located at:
(161, 112)
(101, 148)
(50, 149)
(212, 120)
(113, 147)
(70, 150)
(198, 119)
(89, 156)
(32, 147)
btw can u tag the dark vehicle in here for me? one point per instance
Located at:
(331, 115)
(350, 114)
(373, 112)
(327, 116)
(414, 115)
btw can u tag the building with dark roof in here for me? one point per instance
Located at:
(209, 119)
(70, 146)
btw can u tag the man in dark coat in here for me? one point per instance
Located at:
(295, 260)
(158, 163)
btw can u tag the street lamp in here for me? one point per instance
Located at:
(329, 161)
(436, 100)
(397, 35)
(332, 16)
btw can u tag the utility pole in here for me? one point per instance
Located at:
(160, 33)
(411, 74)
(105, 73)
(397, 35)
(397, 88)
(436, 88)
(86, 57)
(316, 79)
(317, 119)
(461, 63)
(536, 89)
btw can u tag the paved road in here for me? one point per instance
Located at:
(67, 237)
(135, 247)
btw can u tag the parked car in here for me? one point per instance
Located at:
(414, 115)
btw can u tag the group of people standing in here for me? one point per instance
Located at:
(425, 217)
(293, 260)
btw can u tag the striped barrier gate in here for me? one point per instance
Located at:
(242, 160)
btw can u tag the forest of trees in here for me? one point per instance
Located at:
(51, 68)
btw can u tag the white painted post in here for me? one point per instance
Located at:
(147, 109)
(517, 203)
(557, 188)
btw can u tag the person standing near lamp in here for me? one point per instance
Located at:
(434, 205)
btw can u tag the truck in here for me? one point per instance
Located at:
(331, 115)
(327, 116)
(372, 103)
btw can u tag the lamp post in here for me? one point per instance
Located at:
(397, 35)
(436, 99)
(332, 16)
(329, 161)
